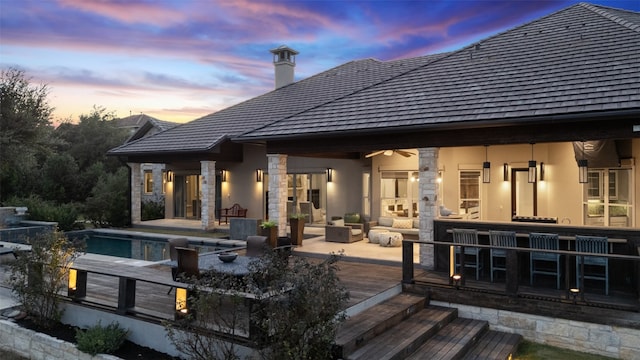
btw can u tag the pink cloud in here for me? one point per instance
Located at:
(130, 12)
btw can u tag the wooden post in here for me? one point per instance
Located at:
(512, 274)
(407, 262)
(126, 295)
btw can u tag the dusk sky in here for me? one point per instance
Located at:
(178, 60)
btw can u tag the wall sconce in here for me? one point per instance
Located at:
(182, 305)
(168, 176)
(223, 175)
(583, 168)
(77, 285)
(541, 171)
(505, 172)
(439, 179)
(486, 166)
(329, 175)
(259, 174)
(532, 168)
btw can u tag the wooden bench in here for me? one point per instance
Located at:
(235, 211)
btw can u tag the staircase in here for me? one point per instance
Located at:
(403, 328)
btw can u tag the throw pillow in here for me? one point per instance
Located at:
(402, 223)
(338, 222)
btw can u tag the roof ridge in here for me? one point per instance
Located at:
(603, 11)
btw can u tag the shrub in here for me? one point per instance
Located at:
(101, 340)
(152, 209)
(42, 210)
(108, 204)
(39, 275)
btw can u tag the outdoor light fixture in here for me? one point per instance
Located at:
(182, 309)
(486, 167)
(541, 171)
(329, 175)
(456, 280)
(77, 284)
(532, 168)
(583, 168)
(168, 176)
(505, 172)
(574, 292)
(223, 175)
(259, 173)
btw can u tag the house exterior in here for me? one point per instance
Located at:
(402, 138)
(152, 174)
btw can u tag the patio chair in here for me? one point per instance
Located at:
(539, 262)
(256, 245)
(466, 238)
(173, 255)
(596, 245)
(187, 263)
(503, 239)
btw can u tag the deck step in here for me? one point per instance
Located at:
(494, 345)
(453, 341)
(362, 327)
(404, 338)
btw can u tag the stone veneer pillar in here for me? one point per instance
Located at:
(277, 167)
(428, 195)
(208, 194)
(136, 193)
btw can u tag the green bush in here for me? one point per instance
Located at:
(42, 210)
(101, 340)
(152, 209)
(108, 204)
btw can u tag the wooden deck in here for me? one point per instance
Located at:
(363, 281)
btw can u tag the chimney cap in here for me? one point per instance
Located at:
(282, 48)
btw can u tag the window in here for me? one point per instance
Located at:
(608, 198)
(148, 182)
(399, 193)
(470, 193)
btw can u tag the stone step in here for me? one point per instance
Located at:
(452, 341)
(494, 345)
(404, 338)
(362, 327)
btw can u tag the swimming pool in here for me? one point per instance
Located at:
(143, 246)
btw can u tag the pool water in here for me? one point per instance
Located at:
(131, 246)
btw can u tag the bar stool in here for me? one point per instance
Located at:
(502, 239)
(596, 245)
(544, 241)
(465, 237)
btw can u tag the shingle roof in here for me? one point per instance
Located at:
(205, 133)
(582, 59)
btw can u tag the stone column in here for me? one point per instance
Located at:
(208, 194)
(136, 193)
(428, 204)
(277, 164)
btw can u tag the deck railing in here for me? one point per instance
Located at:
(514, 269)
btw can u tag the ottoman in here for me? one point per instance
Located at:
(391, 239)
(374, 235)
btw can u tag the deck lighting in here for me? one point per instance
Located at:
(486, 167)
(505, 172)
(182, 309)
(77, 284)
(259, 174)
(532, 168)
(329, 175)
(456, 280)
(574, 292)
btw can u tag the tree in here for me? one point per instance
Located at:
(25, 129)
(108, 204)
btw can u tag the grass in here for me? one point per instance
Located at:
(533, 351)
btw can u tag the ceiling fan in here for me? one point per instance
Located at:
(389, 153)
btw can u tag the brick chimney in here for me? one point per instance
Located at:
(284, 60)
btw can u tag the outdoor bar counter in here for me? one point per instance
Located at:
(622, 241)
